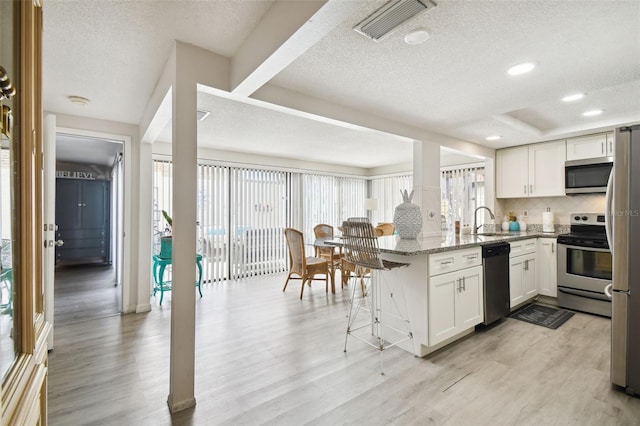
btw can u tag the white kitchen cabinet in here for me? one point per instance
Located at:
(531, 171)
(611, 145)
(512, 179)
(455, 303)
(522, 271)
(592, 146)
(547, 261)
(546, 169)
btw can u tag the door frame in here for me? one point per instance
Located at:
(123, 265)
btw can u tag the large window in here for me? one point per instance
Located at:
(331, 200)
(388, 193)
(241, 216)
(462, 192)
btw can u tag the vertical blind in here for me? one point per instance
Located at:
(242, 212)
(258, 218)
(241, 216)
(387, 192)
(462, 191)
(330, 200)
(213, 221)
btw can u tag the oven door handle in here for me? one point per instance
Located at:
(563, 246)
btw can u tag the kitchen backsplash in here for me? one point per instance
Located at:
(562, 207)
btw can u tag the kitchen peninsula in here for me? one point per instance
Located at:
(443, 286)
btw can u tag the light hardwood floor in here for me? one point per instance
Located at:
(84, 292)
(266, 357)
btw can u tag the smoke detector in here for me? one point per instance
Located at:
(385, 20)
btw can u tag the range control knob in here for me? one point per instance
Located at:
(584, 218)
(576, 217)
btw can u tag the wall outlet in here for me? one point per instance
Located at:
(525, 213)
(431, 215)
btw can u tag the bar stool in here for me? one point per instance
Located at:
(361, 248)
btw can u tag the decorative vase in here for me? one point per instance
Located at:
(522, 225)
(514, 226)
(505, 225)
(407, 217)
(165, 247)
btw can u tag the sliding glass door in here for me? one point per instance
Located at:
(258, 200)
(242, 214)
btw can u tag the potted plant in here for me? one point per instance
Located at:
(165, 240)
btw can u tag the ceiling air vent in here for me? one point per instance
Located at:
(384, 20)
(202, 114)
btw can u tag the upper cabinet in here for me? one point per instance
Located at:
(531, 171)
(593, 146)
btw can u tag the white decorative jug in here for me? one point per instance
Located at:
(407, 217)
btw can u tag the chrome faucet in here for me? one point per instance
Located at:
(475, 218)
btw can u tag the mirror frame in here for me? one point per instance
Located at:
(24, 386)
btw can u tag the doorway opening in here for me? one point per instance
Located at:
(89, 222)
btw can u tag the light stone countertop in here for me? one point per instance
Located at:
(449, 241)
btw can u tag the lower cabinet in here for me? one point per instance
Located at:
(522, 272)
(547, 261)
(455, 303)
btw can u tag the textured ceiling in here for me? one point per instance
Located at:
(454, 84)
(74, 149)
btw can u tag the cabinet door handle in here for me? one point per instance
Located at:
(602, 146)
(530, 189)
(525, 189)
(458, 285)
(446, 262)
(611, 147)
(472, 257)
(552, 249)
(464, 284)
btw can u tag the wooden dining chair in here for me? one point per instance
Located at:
(329, 253)
(385, 229)
(302, 267)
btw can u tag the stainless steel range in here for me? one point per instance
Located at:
(584, 265)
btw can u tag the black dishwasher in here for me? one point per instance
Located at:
(495, 266)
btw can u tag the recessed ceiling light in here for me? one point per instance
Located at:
(417, 36)
(493, 138)
(573, 97)
(592, 113)
(521, 68)
(79, 100)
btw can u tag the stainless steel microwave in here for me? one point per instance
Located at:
(587, 176)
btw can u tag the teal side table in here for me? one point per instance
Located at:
(160, 264)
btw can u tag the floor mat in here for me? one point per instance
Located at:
(545, 316)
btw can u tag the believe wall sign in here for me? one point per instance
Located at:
(75, 175)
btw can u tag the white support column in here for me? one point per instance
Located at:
(184, 150)
(426, 184)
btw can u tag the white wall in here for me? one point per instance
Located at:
(562, 207)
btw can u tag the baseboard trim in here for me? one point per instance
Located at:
(182, 405)
(128, 309)
(143, 308)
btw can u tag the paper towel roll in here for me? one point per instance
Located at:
(548, 222)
